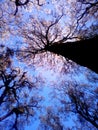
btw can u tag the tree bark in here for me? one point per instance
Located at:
(83, 52)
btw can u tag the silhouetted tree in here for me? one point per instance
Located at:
(75, 43)
(84, 106)
(15, 89)
(69, 29)
(83, 52)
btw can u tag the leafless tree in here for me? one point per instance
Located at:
(15, 89)
(76, 39)
(85, 105)
(71, 30)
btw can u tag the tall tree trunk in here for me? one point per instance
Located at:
(84, 52)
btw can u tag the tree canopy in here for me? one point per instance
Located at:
(42, 41)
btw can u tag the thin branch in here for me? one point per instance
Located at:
(6, 116)
(86, 10)
(19, 3)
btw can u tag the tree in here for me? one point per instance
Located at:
(14, 92)
(44, 28)
(79, 101)
(76, 44)
(82, 52)
(83, 105)
(75, 103)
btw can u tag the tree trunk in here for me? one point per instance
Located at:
(84, 52)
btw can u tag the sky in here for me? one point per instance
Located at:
(52, 73)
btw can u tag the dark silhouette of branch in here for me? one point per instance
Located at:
(82, 107)
(83, 52)
(19, 3)
(6, 116)
(15, 123)
(86, 11)
(12, 82)
(38, 2)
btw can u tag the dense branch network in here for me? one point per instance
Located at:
(48, 36)
(89, 6)
(87, 111)
(14, 91)
(19, 3)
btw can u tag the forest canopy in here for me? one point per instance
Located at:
(48, 64)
